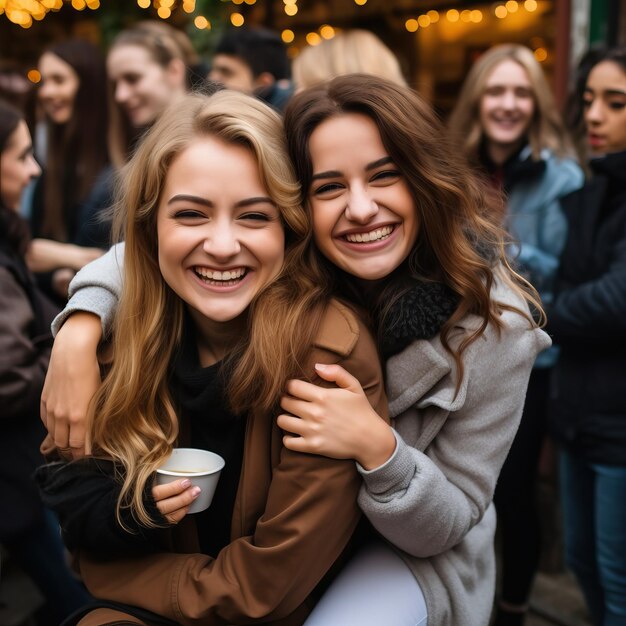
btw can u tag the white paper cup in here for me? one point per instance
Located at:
(202, 467)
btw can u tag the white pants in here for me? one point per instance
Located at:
(376, 587)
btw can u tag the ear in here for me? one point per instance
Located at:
(177, 73)
(264, 79)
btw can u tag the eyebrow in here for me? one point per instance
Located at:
(203, 201)
(608, 92)
(336, 174)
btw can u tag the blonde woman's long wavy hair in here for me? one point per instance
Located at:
(133, 419)
(546, 127)
(459, 242)
(348, 52)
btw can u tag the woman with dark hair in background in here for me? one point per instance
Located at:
(507, 123)
(76, 185)
(27, 530)
(588, 321)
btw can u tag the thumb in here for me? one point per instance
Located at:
(339, 376)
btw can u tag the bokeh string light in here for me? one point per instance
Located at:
(24, 12)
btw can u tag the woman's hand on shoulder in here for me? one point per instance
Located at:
(337, 422)
(174, 499)
(72, 380)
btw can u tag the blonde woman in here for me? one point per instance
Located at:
(218, 310)
(507, 123)
(348, 52)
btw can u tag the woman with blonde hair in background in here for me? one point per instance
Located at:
(507, 123)
(348, 52)
(223, 300)
(147, 70)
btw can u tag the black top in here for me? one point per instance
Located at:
(588, 318)
(199, 395)
(83, 493)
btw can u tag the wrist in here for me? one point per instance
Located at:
(84, 328)
(380, 448)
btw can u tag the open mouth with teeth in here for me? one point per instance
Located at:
(227, 278)
(379, 234)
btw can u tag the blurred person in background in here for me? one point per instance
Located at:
(28, 531)
(254, 61)
(348, 52)
(75, 189)
(588, 320)
(507, 123)
(147, 70)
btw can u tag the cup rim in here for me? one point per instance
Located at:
(219, 468)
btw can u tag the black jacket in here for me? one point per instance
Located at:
(25, 341)
(588, 319)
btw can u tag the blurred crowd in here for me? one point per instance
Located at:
(559, 184)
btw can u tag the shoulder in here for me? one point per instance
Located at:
(563, 174)
(340, 329)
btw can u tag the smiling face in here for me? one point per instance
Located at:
(506, 109)
(220, 237)
(605, 108)
(142, 87)
(364, 218)
(17, 166)
(58, 88)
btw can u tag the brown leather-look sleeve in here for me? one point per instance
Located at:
(309, 515)
(23, 359)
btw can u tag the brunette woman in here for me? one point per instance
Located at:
(405, 230)
(27, 530)
(76, 187)
(223, 300)
(507, 123)
(588, 320)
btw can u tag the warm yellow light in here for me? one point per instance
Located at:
(512, 6)
(144, 4)
(360, 2)
(93, 4)
(530, 5)
(477, 16)
(33, 76)
(411, 25)
(79, 5)
(466, 16)
(433, 15)
(237, 1)
(164, 12)
(501, 11)
(423, 21)
(189, 7)
(452, 15)
(290, 1)
(166, 4)
(313, 39)
(541, 54)
(250, 1)
(236, 19)
(327, 31)
(49, 4)
(200, 22)
(291, 9)
(287, 35)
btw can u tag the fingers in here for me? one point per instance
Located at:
(291, 424)
(300, 408)
(303, 390)
(337, 374)
(299, 444)
(174, 499)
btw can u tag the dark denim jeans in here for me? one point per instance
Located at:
(594, 507)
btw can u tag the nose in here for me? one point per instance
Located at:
(594, 112)
(34, 168)
(121, 93)
(361, 206)
(509, 100)
(221, 240)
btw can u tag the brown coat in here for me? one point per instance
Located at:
(294, 515)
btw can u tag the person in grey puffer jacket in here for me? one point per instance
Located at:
(400, 225)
